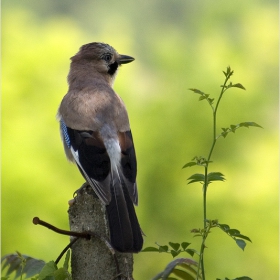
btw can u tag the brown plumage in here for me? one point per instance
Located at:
(97, 137)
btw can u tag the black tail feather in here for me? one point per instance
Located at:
(125, 232)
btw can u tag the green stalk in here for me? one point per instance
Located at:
(205, 185)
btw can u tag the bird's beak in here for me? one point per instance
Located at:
(123, 59)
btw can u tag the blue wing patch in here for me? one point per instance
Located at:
(65, 133)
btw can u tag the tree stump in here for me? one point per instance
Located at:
(92, 259)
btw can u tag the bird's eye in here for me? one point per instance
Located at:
(107, 57)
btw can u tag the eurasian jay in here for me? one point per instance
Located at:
(96, 134)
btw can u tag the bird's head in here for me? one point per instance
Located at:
(102, 58)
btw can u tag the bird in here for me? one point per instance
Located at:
(96, 134)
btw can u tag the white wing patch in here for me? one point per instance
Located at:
(97, 187)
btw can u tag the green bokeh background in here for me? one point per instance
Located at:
(178, 45)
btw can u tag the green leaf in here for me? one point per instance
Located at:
(243, 237)
(183, 274)
(61, 274)
(150, 249)
(233, 232)
(175, 246)
(184, 245)
(189, 269)
(66, 262)
(233, 128)
(175, 253)
(33, 267)
(243, 278)
(189, 164)
(238, 85)
(169, 268)
(236, 233)
(215, 176)
(48, 270)
(190, 251)
(240, 243)
(13, 261)
(22, 264)
(196, 178)
(224, 227)
(197, 91)
(163, 249)
(248, 124)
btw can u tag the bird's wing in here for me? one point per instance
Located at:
(91, 157)
(128, 164)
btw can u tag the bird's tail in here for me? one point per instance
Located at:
(125, 231)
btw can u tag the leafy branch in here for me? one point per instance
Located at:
(205, 179)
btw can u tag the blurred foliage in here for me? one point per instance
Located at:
(177, 45)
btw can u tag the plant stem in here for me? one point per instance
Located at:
(205, 185)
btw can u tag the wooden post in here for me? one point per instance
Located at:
(92, 259)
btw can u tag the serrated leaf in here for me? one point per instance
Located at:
(215, 176)
(150, 249)
(175, 246)
(61, 274)
(240, 243)
(189, 164)
(184, 245)
(48, 270)
(183, 274)
(66, 262)
(198, 177)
